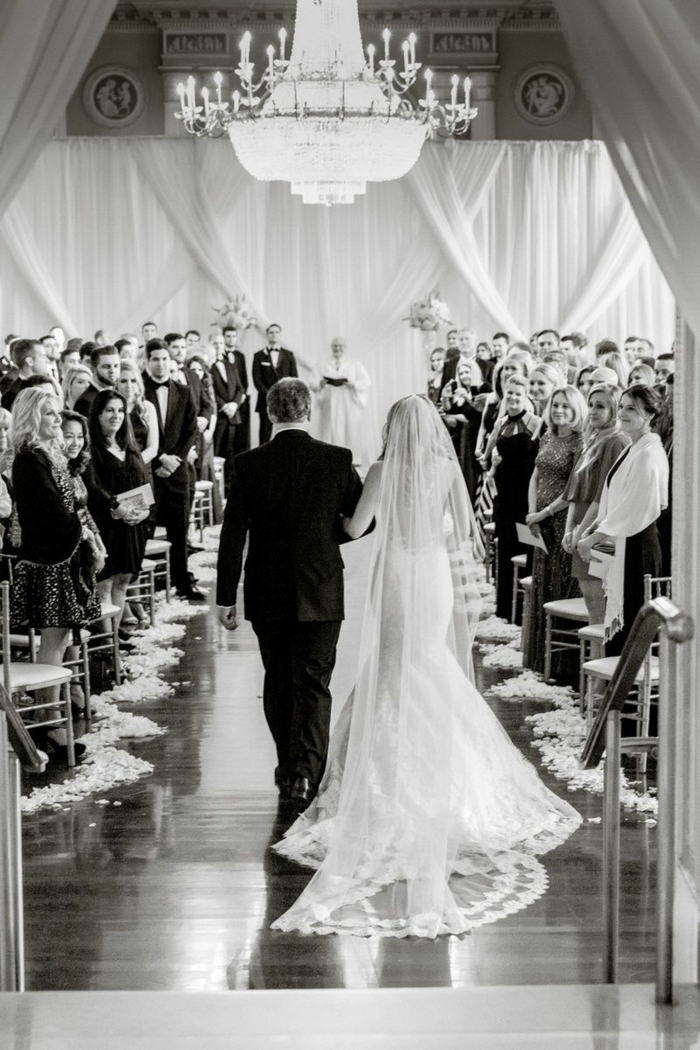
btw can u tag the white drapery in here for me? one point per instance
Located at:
(44, 48)
(640, 63)
(109, 233)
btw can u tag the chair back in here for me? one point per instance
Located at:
(5, 616)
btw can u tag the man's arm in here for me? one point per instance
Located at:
(188, 430)
(232, 542)
(257, 375)
(351, 497)
(293, 370)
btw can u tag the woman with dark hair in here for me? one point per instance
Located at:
(461, 412)
(634, 494)
(116, 467)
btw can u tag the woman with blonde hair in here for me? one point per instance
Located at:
(560, 446)
(142, 414)
(544, 380)
(54, 579)
(75, 382)
(603, 441)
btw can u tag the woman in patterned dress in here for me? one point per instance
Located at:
(54, 583)
(560, 448)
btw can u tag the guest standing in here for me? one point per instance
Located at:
(236, 357)
(461, 409)
(105, 363)
(560, 448)
(270, 364)
(230, 396)
(634, 494)
(76, 380)
(116, 467)
(54, 585)
(142, 414)
(603, 443)
(435, 384)
(511, 453)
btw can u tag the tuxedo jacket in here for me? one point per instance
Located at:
(230, 389)
(176, 433)
(266, 375)
(287, 496)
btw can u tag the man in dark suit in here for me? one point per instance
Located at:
(270, 364)
(231, 397)
(177, 426)
(287, 496)
(236, 357)
(105, 364)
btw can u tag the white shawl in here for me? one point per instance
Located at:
(630, 502)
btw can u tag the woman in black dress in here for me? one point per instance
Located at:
(54, 586)
(461, 408)
(142, 414)
(116, 467)
(511, 453)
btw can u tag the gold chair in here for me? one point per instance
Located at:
(562, 639)
(519, 562)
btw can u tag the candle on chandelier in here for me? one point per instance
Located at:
(205, 99)
(455, 85)
(245, 48)
(405, 56)
(370, 56)
(270, 61)
(218, 79)
(283, 41)
(236, 96)
(387, 37)
(181, 93)
(467, 90)
(412, 43)
(190, 93)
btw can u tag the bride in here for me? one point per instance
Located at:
(428, 820)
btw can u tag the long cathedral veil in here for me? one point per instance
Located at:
(411, 800)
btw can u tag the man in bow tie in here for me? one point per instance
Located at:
(271, 364)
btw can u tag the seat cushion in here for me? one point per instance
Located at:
(568, 609)
(605, 668)
(35, 676)
(157, 546)
(519, 560)
(594, 632)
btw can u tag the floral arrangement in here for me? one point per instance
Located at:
(237, 312)
(429, 313)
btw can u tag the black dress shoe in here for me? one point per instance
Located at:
(283, 784)
(301, 793)
(192, 594)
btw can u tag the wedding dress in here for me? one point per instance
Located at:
(428, 820)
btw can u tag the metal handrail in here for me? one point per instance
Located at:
(16, 748)
(659, 616)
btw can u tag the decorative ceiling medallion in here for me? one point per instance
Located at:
(113, 97)
(543, 94)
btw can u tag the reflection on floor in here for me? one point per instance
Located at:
(175, 889)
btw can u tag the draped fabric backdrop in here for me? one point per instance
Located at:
(110, 233)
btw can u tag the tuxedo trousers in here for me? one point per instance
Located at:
(172, 510)
(299, 659)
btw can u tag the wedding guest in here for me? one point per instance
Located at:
(486, 364)
(104, 361)
(518, 362)
(30, 359)
(466, 346)
(461, 409)
(70, 358)
(559, 360)
(127, 347)
(641, 373)
(664, 366)
(603, 443)
(235, 356)
(630, 349)
(75, 382)
(547, 340)
(116, 467)
(604, 375)
(341, 385)
(76, 449)
(149, 330)
(193, 338)
(617, 363)
(270, 364)
(544, 380)
(229, 396)
(605, 346)
(204, 440)
(177, 426)
(573, 345)
(634, 494)
(54, 587)
(86, 352)
(500, 341)
(560, 447)
(663, 426)
(437, 363)
(510, 453)
(583, 380)
(142, 414)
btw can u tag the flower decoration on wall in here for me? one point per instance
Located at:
(429, 313)
(237, 312)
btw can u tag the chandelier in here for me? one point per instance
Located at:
(328, 119)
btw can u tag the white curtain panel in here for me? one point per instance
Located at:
(639, 61)
(45, 46)
(112, 232)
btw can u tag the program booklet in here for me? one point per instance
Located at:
(138, 499)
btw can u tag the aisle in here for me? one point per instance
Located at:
(171, 886)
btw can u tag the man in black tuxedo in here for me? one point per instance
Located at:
(231, 399)
(177, 426)
(236, 357)
(288, 496)
(271, 363)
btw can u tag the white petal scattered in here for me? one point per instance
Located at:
(494, 629)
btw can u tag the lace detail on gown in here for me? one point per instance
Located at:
(445, 837)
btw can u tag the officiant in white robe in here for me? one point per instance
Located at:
(341, 385)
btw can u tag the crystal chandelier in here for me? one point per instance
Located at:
(327, 120)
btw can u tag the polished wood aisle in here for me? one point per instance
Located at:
(175, 888)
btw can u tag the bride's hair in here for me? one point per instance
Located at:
(392, 413)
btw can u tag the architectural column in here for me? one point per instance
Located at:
(484, 98)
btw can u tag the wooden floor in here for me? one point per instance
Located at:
(175, 889)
